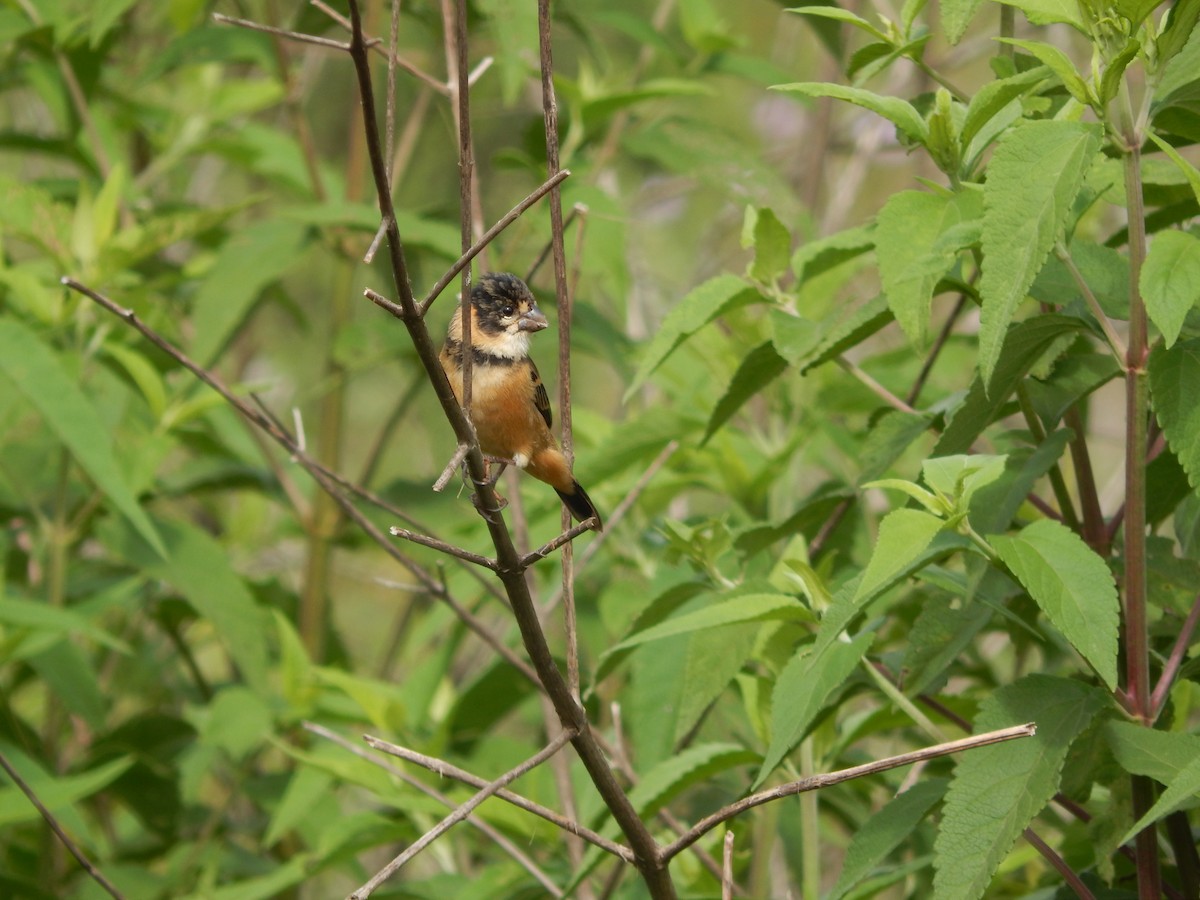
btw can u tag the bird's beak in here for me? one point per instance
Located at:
(533, 320)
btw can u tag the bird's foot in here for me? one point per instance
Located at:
(492, 515)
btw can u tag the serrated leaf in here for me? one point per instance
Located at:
(875, 839)
(1073, 587)
(840, 15)
(818, 257)
(899, 112)
(760, 367)
(890, 436)
(1190, 172)
(1050, 12)
(930, 501)
(903, 536)
(961, 476)
(1180, 31)
(1033, 179)
(742, 608)
(1170, 281)
(1180, 792)
(911, 259)
(850, 332)
(1024, 346)
(1059, 63)
(772, 247)
(997, 790)
(803, 689)
(690, 766)
(41, 377)
(1174, 385)
(198, 568)
(713, 658)
(993, 97)
(252, 258)
(956, 16)
(703, 304)
(1161, 755)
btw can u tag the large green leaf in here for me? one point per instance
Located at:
(252, 258)
(198, 568)
(697, 309)
(899, 112)
(1170, 281)
(1050, 12)
(40, 375)
(1161, 755)
(54, 791)
(885, 831)
(997, 790)
(740, 609)
(1174, 385)
(805, 686)
(903, 536)
(1072, 585)
(691, 766)
(1181, 792)
(1023, 347)
(913, 257)
(1033, 179)
(758, 368)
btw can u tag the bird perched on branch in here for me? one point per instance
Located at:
(509, 405)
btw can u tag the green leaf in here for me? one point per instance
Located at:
(772, 247)
(1181, 792)
(251, 259)
(1050, 12)
(742, 608)
(997, 790)
(956, 16)
(1033, 178)
(899, 112)
(55, 792)
(712, 660)
(1190, 171)
(1059, 63)
(39, 374)
(912, 258)
(237, 720)
(962, 475)
(820, 256)
(903, 536)
(306, 787)
(72, 678)
(694, 765)
(759, 367)
(1024, 346)
(885, 831)
(889, 437)
(711, 299)
(991, 99)
(841, 15)
(198, 568)
(1170, 281)
(1180, 29)
(849, 332)
(805, 686)
(56, 620)
(1073, 587)
(1174, 384)
(1161, 755)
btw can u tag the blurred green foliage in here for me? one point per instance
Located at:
(762, 275)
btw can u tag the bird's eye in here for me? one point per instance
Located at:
(507, 310)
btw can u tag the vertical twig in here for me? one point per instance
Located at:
(727, 868)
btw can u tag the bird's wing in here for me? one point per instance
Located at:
(540, 398)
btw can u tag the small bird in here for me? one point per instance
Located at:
(509, 404)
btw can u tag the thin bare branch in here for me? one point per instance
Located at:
(816, 782)
(448, 770)
(495, 836)
(451, 467)
(463, 810)
(575, 212)
(567, 536)
(86, 864)
(377, 45)
(1161, 690)
(282, 32)
(449, 549)
(511, 216)
(874, 386)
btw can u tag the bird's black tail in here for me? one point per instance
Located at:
(580, 504)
